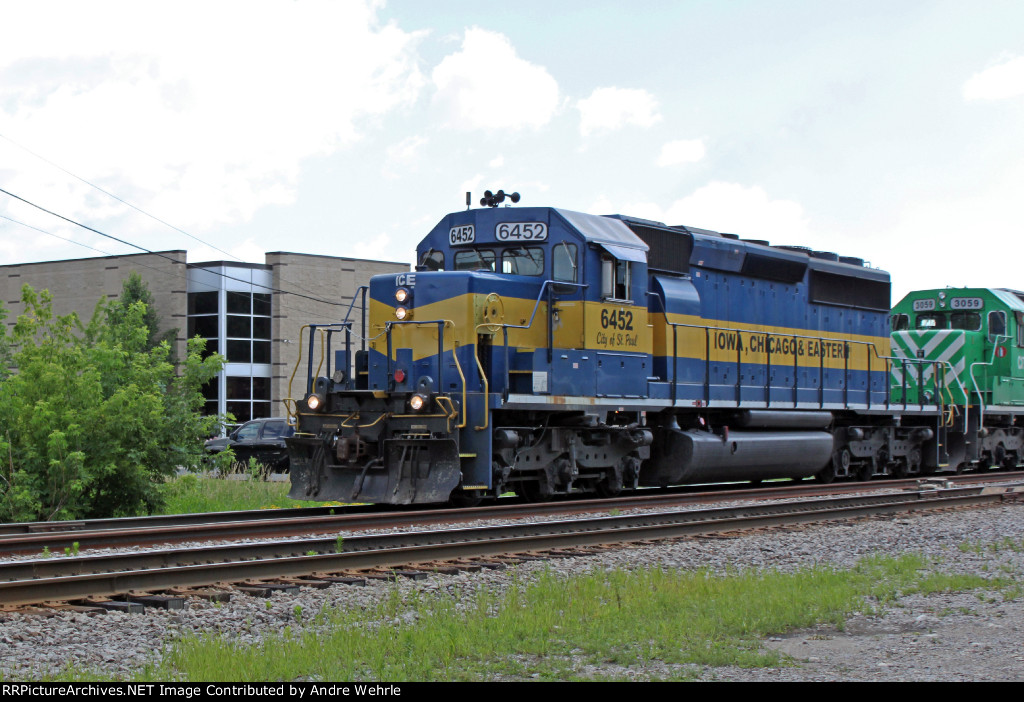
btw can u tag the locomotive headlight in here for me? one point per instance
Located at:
(401, 295)
(417, 402)
(402, 313)
(314, 402)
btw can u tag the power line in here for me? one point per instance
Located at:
(110, 194)
(134, 207)
(305, 312)
(157, 253)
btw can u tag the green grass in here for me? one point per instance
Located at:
(554, 627)
(200, 493)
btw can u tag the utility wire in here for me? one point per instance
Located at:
(157, 253)
(134, 207)
(177, 276)
(110, 194)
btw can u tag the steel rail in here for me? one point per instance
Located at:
(39, 580)
(294, 522)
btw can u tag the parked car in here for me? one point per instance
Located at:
(262, 439)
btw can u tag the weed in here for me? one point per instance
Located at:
(557, 628)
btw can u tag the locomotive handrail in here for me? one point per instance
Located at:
(330, 328)
(361, 290)
(504, 330)
(920, 364)
(996, 340)
(870, 347)
(293, 413)
(442, 324)
(483, 375)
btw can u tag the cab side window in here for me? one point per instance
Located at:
(899, 322)
(433, 261)
(564, 263)
(996, 325)
(615, 279)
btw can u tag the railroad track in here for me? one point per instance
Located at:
(320, 561)
(58, 537)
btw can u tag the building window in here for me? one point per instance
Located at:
(238, 324)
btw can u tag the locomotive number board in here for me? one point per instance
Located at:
(966, 303)
(461, 235)
(521, 231)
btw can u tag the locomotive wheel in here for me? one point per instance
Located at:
(899, 469)
(465, 498)
(826, 475)
(865, 471)
(530, 491)
(840, 459)
(999, 457)
(609, 488)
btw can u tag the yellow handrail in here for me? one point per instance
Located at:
(483, 377)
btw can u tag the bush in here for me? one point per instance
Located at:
(93, 421)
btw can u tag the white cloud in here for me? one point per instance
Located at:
(497, 162)
(725, 207)
(486, 85)
(376, 249)
(608, 109)
(201, 122)
(976, 227)
(675, 153)
(403, 156)
(737, 209)
(475, 186)
(1004, 80)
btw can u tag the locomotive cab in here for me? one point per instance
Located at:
(973, 342)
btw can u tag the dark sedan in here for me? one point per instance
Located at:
(262, 439)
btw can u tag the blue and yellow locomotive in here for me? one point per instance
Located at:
(547, 351)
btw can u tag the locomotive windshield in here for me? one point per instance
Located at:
(966, 321)
(523, 261)
(515, 260)
(474, 260)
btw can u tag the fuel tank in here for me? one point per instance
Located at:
(679, 457)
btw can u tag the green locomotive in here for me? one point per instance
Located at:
(973, 341)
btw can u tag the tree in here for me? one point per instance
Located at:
(134, 289)
(93, 421)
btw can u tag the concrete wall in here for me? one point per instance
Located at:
(328, 280)
(320, 289)
(77, 285)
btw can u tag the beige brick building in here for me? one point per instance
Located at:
(253, 314)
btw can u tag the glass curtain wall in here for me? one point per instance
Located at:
(229, 305)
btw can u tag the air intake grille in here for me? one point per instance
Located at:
(670, 250)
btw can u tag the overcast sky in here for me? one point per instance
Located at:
(893, 131)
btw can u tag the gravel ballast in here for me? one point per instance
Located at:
(958, 636)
